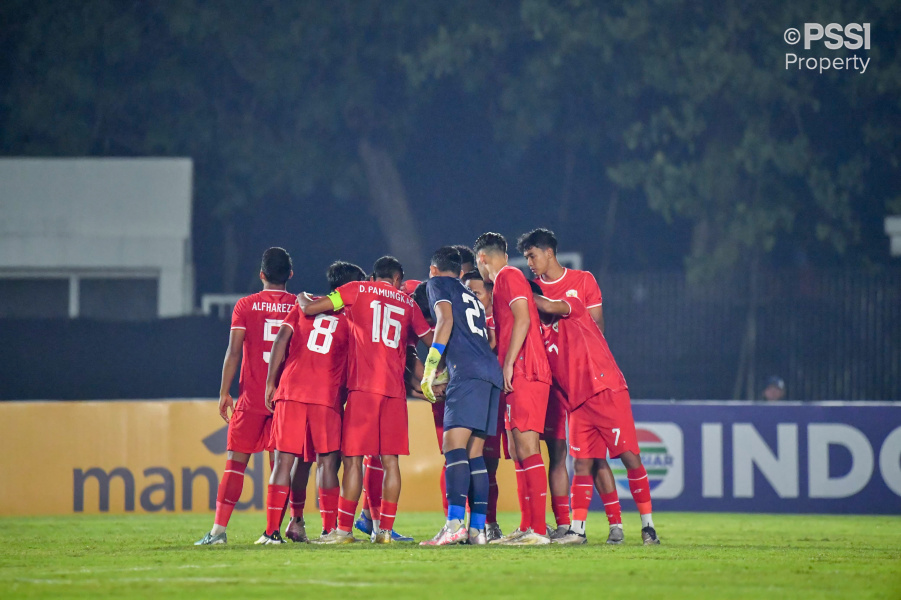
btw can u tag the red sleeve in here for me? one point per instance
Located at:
(591, 291)
(239, 315)
(349, 292)
(576, 308)
(292, 318)
(489, 321)
(420, 327)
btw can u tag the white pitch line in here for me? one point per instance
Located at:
(322, 582)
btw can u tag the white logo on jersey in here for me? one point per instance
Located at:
(572, 294)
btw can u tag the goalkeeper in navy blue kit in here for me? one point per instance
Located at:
(473, 394)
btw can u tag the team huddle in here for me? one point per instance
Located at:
(509, 363)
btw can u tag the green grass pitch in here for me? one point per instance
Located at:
(702, 556)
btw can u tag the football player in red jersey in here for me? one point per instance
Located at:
(307, 405)
(539, 247)
(600, 418)
(255, 322)
(382, 321)
(373, 472)
(527, 379)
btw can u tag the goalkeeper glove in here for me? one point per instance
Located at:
(428, 374)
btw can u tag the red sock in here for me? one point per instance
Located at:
(374, 476)
(612, 508)
(582, 489)
(328, 507)
(522, 491)
(536, 479)
(365, 498)
(389, 512)
(230, 489)
(298, 502)
(641, 491)
(444, 489)
(560, 504)
(276, 497)
(347, 510)
(491, 516)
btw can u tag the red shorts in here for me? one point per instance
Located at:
(555, 419)
(603, 423)
(250, 432)
(375, 425)
(438, 415)
(527, 405)
(494, 443)
(306, 430)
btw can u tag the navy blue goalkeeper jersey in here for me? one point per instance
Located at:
(468, 354)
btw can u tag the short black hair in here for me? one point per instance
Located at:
(276, 266)
(474, 275)
(340, 272)
(447, 260)
(421, 298)
(386, 268)
(537, 238)
(470, 275)
(466, 255)
(490, 242)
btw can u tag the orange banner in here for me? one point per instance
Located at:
(163, 456)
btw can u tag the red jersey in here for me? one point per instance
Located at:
(260, 315)
(509, 285)
(382, 320)
(573, 284)
(316, 364)
(579, 356)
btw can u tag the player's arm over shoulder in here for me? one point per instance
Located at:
(552, 307)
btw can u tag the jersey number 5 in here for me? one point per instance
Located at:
(270, 330)
(385, 328)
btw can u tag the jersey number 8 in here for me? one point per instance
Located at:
(322, 332)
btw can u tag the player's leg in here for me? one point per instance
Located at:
(300, 476)
(373, 484)
(329, 490)
(558, 481)
(582, 488)
(478, 490)
(558, 477)
(393, 441)
(605, 484)
(248, 433)
(618, 429)
(641, 493)
(457, 476)
(528, 412)
(229, 493)
(277, 496)
(359, 437)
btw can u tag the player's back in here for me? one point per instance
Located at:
(468, 353)
(510, 285)
(260, 315)
(382, 320)
(316, 364)
(580, 357)
(573, 283)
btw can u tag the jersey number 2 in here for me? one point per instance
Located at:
(473, 313)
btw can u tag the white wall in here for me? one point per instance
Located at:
(107, 217)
